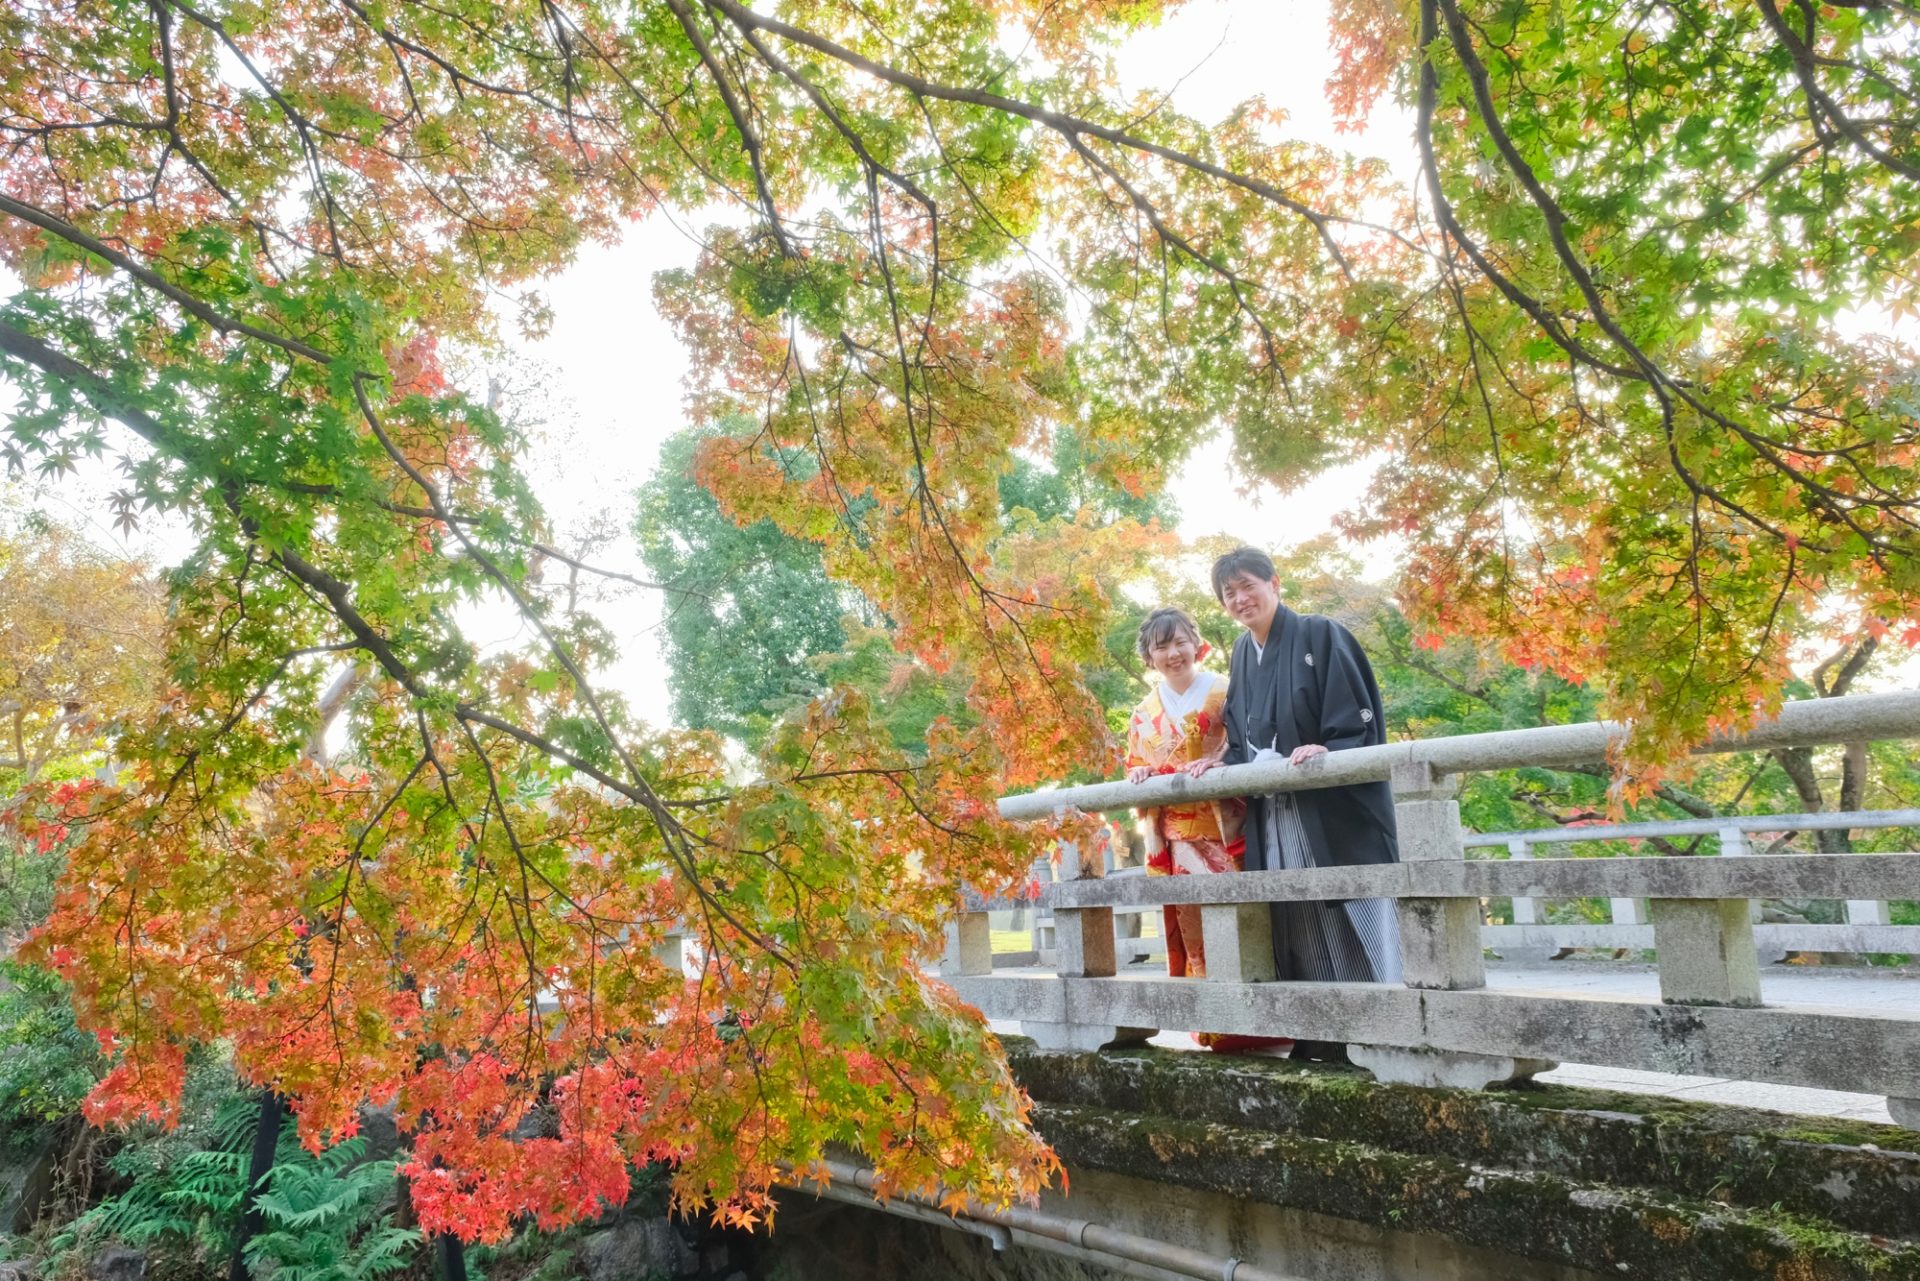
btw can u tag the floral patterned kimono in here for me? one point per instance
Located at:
(1167, 731)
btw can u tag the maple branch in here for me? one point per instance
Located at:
(1819, 102)
(302, 126)
(1451, 226)
(192, 305)
(1664, 388)
(1059, 122)
(336, 595)
(749, 136)
(1236, 284)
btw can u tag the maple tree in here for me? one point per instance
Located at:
(1466, 686)
(1602, 352)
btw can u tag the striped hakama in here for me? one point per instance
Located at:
(1355, 941)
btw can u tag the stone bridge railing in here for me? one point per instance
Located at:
(1868, 926)
(1442, 1026)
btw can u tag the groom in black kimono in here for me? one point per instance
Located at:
(1300, 686)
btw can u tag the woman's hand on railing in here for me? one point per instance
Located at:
(1139, 774)
(1194, 769)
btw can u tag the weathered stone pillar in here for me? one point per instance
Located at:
(1526, 911)
(1734, 844)
(1439, 942)
(1868, 911)
(1705, 951)
(1439, 937)
(969, 945)
(1083, 942)
(1629, 911)
(1239, 942)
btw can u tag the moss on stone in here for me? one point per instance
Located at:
(1812, 1237)
(1857, 1177)
(1536, 1214)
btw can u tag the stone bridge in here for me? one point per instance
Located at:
(1543, 1119)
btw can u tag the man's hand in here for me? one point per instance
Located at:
(1139, 774)
(1306, 752)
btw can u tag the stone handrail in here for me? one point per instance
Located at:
(1826, 821)
(1809, 723)
(1869, 919)
(1442, 1026)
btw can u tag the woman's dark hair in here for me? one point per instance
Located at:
(1250, 561)
(1163, 625)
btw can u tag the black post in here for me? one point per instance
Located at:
(266, 1137)
(453, 1257)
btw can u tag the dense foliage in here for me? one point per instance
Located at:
(1602, 352)
(754, 627)
(81, 642)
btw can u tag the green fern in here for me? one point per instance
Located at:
(323, 1216)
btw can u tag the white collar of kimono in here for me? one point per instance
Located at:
(1259, 650)
(1177, 706)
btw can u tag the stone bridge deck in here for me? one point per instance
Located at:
(1855, 989)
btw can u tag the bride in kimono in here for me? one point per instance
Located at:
(1181, 726)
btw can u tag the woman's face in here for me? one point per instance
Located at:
(1252, 601)
(1174, 657)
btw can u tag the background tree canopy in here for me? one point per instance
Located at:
(756, 627)
(752, 605)
(1606, 356)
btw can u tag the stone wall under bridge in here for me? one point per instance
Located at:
(1322, 1173)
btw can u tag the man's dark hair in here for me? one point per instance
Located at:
(1163, 625)
(1250, 561)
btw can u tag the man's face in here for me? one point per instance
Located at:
(1252, 601)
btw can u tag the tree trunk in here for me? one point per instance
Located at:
(1845, 667)
(1798, 764)
(453, 1257)
(266, 1137)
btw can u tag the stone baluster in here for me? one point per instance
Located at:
(1439, 941)
(1868, 911)
(1439, 937)
(1083, 942)
(1629, 911)
(1083, 948)
(1239, 942)
(1042, 917)
(1705, 946)
(1734, 844)
(1527, 910)
(969, 945)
